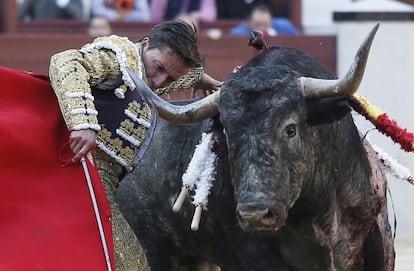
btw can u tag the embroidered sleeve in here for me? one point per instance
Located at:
(72, 74)
(186, 81)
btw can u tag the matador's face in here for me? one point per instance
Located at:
(162, 66)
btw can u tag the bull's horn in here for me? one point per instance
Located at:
(183, 114)
(313, 87)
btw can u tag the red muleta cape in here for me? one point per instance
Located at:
(47, 221)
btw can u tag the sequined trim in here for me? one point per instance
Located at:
(81, 95)
(142, 116)
(86, 111)
(113, 146)
(129, 132)
(82, 126)
(138, 120)
(127, 137)
(124, 146)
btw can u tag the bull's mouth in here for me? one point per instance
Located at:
(248, 227)
(253, 218)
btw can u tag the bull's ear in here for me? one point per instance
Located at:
(327, 109)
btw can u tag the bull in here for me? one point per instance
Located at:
(296, 187)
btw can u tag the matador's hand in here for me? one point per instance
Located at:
(208, 85)
(81, 142)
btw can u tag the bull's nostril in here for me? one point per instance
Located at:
(244, 215)
(264, 216)
(269, 217)
(239, 216)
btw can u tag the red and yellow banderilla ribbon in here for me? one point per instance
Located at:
(383, 123)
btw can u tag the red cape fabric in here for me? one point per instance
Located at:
(47, 221)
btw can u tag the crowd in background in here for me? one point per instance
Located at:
(257, 14)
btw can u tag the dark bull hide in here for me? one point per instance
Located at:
(293, 191)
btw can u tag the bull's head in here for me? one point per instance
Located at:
(262, 111)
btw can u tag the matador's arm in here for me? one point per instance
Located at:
(72, 74)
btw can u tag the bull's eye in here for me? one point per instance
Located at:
(290, 130)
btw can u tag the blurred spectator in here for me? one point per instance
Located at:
(194, 11)
(237, 9)
(99, 27)
(121, 10)
(51, 9)
(86, 9)
(261, 19)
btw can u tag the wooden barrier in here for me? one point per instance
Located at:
(32, 52)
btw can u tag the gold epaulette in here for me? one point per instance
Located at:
(127, 55)
(74, 72)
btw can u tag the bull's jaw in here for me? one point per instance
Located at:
(261, 217)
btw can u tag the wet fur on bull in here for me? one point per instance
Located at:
(312, 178)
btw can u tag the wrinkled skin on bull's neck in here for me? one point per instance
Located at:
(289, 194)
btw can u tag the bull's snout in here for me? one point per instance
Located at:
(259, 218)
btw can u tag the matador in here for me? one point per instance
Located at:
(96, 93)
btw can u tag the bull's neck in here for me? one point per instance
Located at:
(340, 164)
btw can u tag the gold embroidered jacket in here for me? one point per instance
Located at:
(94, 79)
